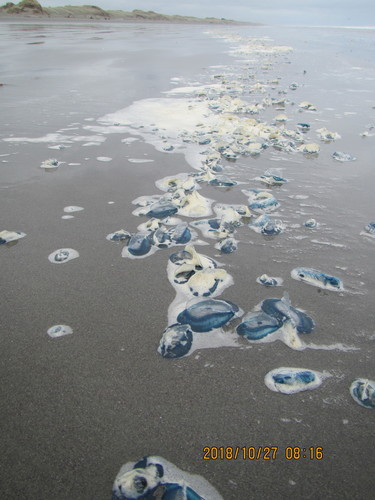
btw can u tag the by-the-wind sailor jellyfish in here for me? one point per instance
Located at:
(317, 278)
(261, 201)
(341, 156)
(291, 380)
(9, 236)
(369, 228)
(269, 280)
(176, 341)
(228, 245)
(363, 392)
(311, 223)
(63, 255)
(161, 238)
(208, 314)
(304, 127)
(271, 179)
(120, 235)
(181, 234)
(51, 163)
(257, 325)
(140, 482)
(154, 478)
(162, 209)
(282, 310)
(140, 244)
(272, 227)
(59, 331)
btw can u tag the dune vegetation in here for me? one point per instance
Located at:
(32, 8)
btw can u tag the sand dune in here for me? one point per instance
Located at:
(32, 8)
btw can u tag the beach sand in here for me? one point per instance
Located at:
(75, 408)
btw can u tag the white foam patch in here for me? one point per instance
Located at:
(129, 140)
(298, 196)
(366, 233)
(73, 208)
(103, 158)
(140, 160)
(43, 139)
(193, 89)
(328, 243)
(171, 115)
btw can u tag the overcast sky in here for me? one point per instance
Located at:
(292, 12)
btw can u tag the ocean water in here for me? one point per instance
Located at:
(104, 100)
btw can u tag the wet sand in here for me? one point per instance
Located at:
(74, 409)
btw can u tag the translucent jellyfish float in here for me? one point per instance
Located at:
(291, 380)
(317, 278)
(363, 392)
(63, 255)
(153, 477)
